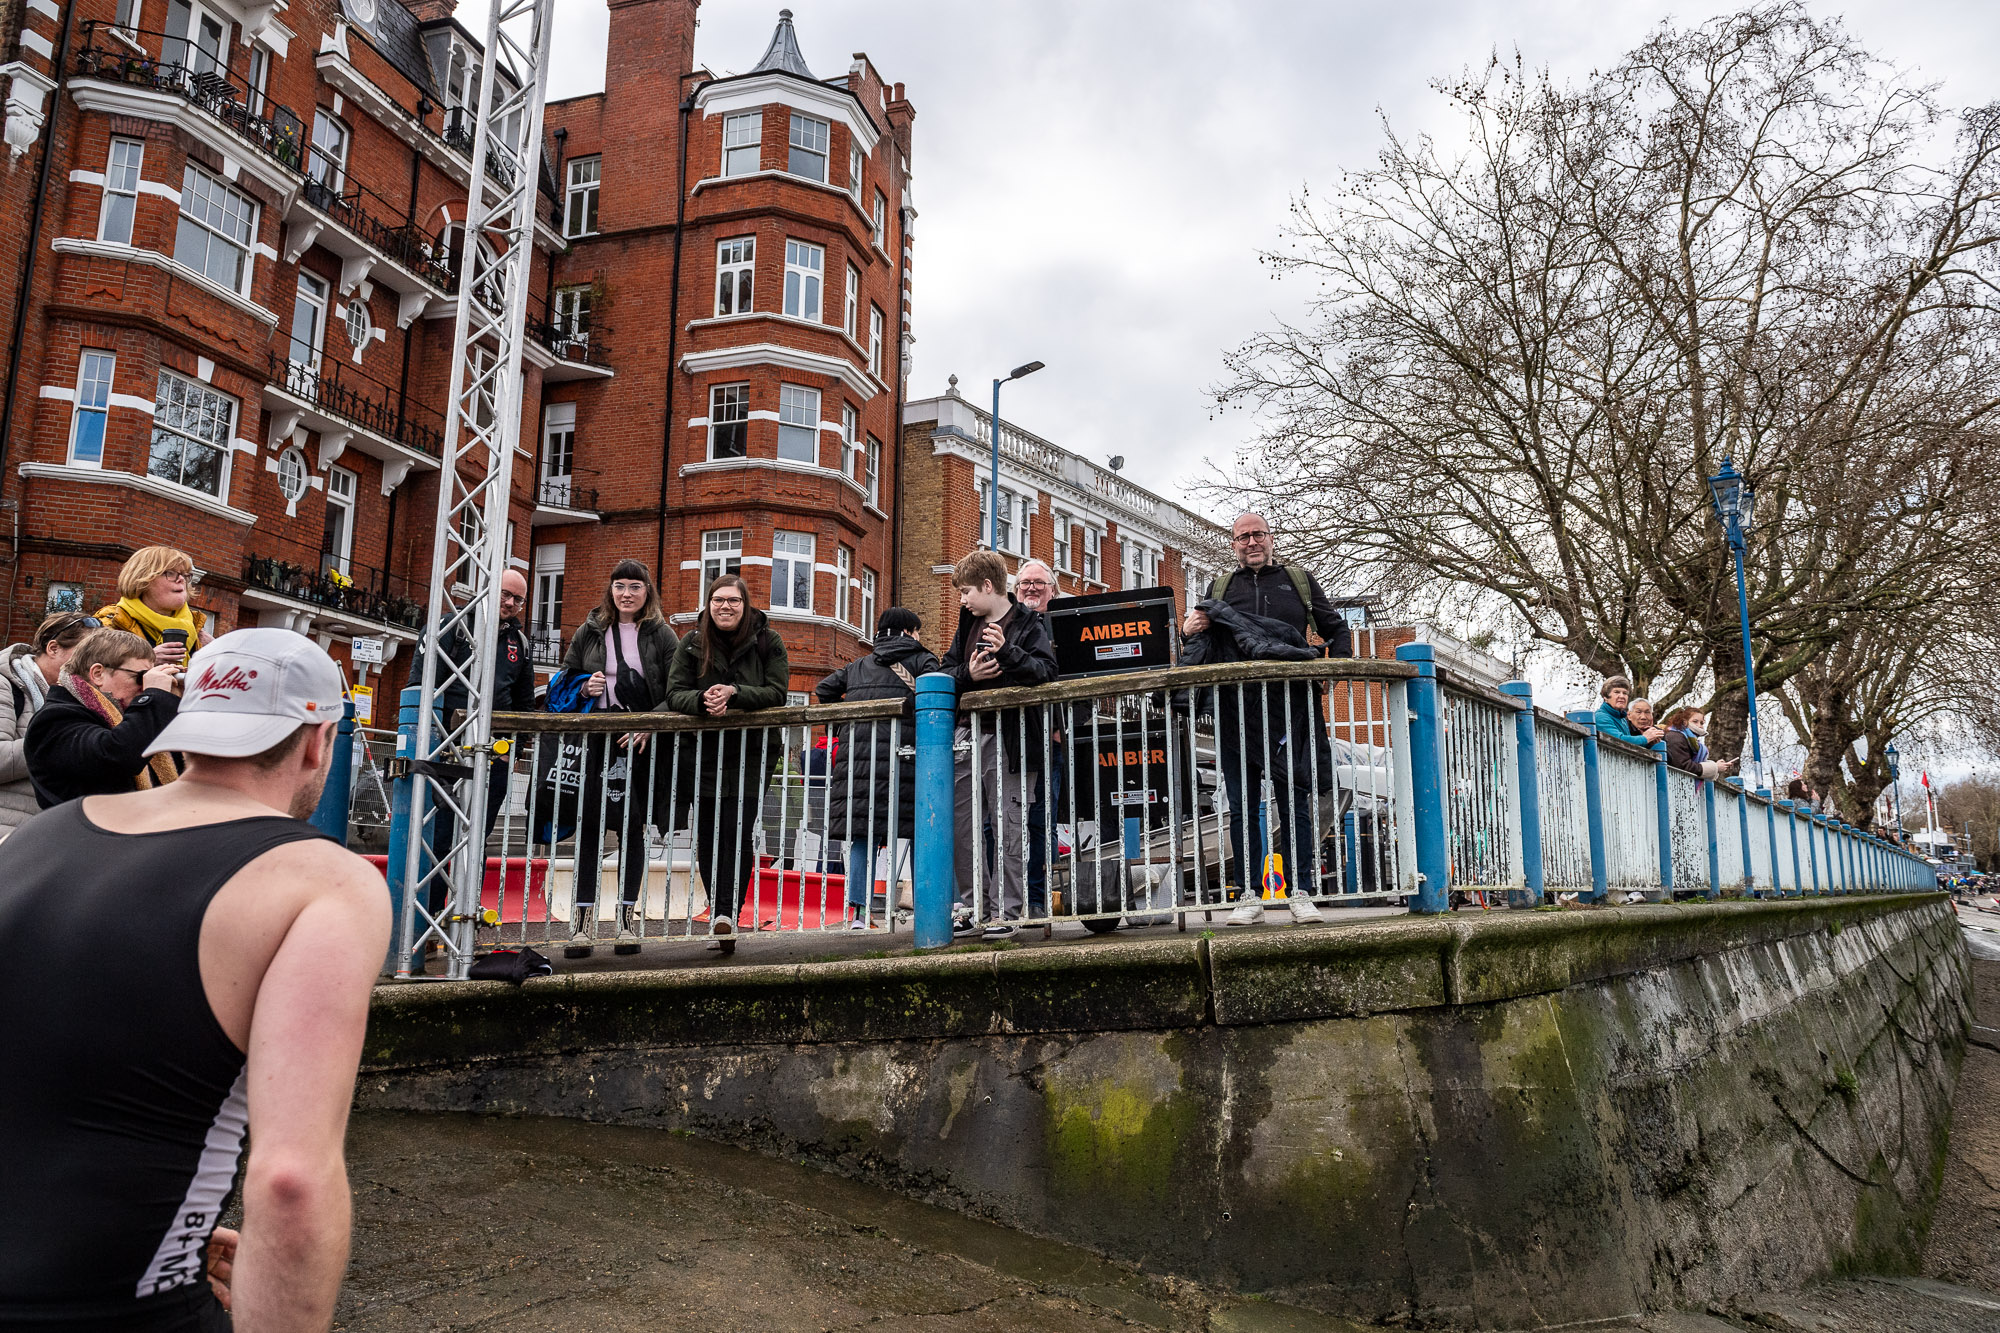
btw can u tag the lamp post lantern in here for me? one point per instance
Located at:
(993, 498)
(1733, 500)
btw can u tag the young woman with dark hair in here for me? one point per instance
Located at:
(731, 661)
(622, 653)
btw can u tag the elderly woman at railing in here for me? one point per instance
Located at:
(731, 661)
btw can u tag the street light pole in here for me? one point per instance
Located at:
(993, 494)
(1732, 501)
(1895, 787)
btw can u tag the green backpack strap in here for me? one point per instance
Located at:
(1301, 584)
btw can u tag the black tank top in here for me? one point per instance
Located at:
(124, 1107)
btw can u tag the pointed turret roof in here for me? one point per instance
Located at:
(783, 53)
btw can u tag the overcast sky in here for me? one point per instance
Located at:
(1095, 178)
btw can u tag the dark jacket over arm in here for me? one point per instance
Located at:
(1269, 591)
(71, 752)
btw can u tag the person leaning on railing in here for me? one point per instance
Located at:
(90, 738)
(622, 656)
(28, 671)
(1639, 713)
(999, 643)
(731, 661)
(1277, 735)
(1612, 716)
(863, 796)
(1687, 749)
(153, 604)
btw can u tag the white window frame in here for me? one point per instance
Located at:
(742, 142)
(812, 137)
(260, 76)
(721, 553)
(1093, 554)
(190, 48)
(873, 463)
(736, 274)
(854, 160)
(798, 423)
(880, 217)
(95, 371)
(875, 340)
(558, 464)
(850, 318)
(359, 323)
(805, 280)
(792, 556)
(868, 586)
(549, 563)
(314, 294)
(216, 197)
(1063, 551)
(326, 158)
(582, 177)
(294, 477)
(572, 313)
(208, 403)
(729, 406)
(124, 167)
(850, 439)
(342, 486)
(843, 601)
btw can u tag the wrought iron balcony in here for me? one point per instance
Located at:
(360, 210)
(459, 124)
(545, 645)
(185, 71)
(569, 342)
(566, 493)
(347, 587)
(352, 397)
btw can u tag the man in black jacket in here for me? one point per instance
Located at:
(999, 643)
(1269, 735)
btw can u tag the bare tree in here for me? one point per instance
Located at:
(1748, 240)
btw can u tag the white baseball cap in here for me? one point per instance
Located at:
(249, 690)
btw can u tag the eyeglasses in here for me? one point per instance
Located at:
(725, 601)
(1255, 535)
(1031, 583)
(132, 672)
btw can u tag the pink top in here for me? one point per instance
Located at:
(628, 655)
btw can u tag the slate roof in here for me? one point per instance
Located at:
(783, 52)
(394, 32)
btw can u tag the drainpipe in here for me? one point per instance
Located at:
(896, 425)
(30, 252)
(673, 336)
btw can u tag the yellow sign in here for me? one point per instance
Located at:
(364, 704)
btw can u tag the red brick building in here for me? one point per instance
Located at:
(742, 243)
(234, 336)
(1095, 528)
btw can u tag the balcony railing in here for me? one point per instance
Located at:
(186, 72)
(566, 493)
(345, 586)
(545, 645)
(459, 123)
(569, 342)
(367, 403)
(356, 207)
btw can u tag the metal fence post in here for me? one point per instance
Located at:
(400, 832)
(1529, 807)
(935, 878)
(330, 816)
(1749, 885)
(1792, 823)
(1714, 843)
(1771, 832)
(1427, 781)
(1663, 802)
(1593, 798)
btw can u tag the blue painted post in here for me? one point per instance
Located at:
(1812, 853)
(1593, 800)
(1714, 845)
(1743, 827)
(1531, 793)
(399, 829)
(1792, 823)
(1661, 801)
(1846, 860)
(1771, 829)
(1350, 836)
(936, 882)
(1427, 781)
(330, 817)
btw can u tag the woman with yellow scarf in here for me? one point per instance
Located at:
(153, 600)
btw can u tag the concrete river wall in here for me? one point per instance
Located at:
(1497, 1121)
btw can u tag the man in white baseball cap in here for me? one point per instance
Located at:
(233, 949)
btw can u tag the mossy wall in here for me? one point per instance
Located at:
(1500, 1121)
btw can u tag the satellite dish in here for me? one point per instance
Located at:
(1117, 462)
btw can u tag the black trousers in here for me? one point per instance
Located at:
(593, 813)
(725, 825)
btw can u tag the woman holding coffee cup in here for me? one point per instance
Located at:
(153, 604)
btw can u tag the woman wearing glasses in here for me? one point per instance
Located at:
(90, 737)
(153, 604)
(28, 671)
(731, 661)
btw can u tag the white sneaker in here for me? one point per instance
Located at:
(1248, 912)
(583, 933)
(1304, 911)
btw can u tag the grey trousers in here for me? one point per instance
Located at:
(1004, 799)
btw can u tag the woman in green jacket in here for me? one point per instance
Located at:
(731, 661)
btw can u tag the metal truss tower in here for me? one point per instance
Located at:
(446, 849)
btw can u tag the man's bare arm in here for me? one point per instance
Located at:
(305, 1042)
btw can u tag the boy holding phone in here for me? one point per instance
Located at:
(1000, 643)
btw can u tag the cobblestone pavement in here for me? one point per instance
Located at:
(463, 1223)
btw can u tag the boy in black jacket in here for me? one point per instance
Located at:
(999, 643)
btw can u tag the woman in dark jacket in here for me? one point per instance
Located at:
(731, 661)
(865, 807)
(90, 736)
(621, 653)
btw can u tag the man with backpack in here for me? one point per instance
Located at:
(1272, 735)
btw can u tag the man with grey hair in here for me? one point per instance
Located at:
(1271, 737)
(1035, 587)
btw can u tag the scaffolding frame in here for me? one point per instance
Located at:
(451, 756)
